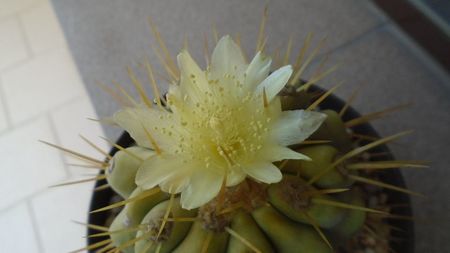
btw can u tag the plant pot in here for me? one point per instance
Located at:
(106, 197)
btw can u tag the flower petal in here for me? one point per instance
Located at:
(193, 81)
(203, 187)
(235, 176)
(277, 153)
(274, 83)
(175, 184)
(264, 172)
(295, 126)
(165, 170)
(227, 58)
(133, 120)
(257, 70)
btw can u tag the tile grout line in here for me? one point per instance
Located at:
(17, 64)
(5, 108)
(26, 8)
(58, 142)
(41, 114)
(34, 225)
(19, 201)
(52, 128)
(24, 34)
(29, 52)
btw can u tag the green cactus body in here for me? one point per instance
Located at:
(286, 197)
(354, 219)
(301, 100)
(120, 233)
(246, 177)
(171, 236)
(123, 167)
(288, 236)
(280, 217)
(196, 238)
(334, 130)
(281, 220)
(139, 208)
(322, 156)
(244, 224)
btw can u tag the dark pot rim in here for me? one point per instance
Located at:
(101, 198)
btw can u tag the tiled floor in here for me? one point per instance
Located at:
(41, 98)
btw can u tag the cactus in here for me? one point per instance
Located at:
(237, 159)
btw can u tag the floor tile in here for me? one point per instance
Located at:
(42, 28)
(28, 166)
(17, 231)
(70, 122)
(47, 81)
(55, 211)
(9, 7)
(12, 42)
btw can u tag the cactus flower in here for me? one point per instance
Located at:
(221, 125)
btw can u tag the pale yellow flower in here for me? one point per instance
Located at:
(221, 126)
